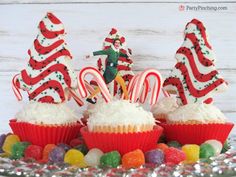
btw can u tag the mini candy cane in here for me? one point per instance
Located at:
(145, 91)
(15, 87)
(89, 87)
(166, 94)
(76, 98)
(131, 85)
(137, 88)
(99, 79)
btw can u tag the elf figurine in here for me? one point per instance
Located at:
(111, 72)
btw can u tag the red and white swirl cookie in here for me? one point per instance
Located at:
(48, 73)
(195, 78)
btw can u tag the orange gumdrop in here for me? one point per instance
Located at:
(47, 149)
(133, 159)
(162, 146)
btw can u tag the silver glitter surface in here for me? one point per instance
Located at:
(224, 165)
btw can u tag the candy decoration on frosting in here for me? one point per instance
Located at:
(194, 78)
(83, 89)
(124, 64)
(48, 77)
(142, 80)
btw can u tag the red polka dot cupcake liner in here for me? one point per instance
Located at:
(45, 134)
(122, 142)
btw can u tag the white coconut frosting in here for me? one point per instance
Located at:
(45, 113)
(204, 113)
(165, 106)
(119, 113)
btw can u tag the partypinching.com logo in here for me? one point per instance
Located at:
(201, 8)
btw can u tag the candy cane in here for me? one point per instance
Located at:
(131, 84)
(140, 82)
(89, 87)
(76, 98)
(166, 94)
(145, 91)
(99, 79)
(15, 87)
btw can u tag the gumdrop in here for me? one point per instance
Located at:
(92, 158)
(174, 144)
(155, 156)
(216, 145)
(2, 139)
(33, 152)
(47, 149)
(75, 157)
(206, 151)
(18, 149)
(75, 142)
(82, 148)
(110, 159)
(133, 159)
(192, 152)
(64, 146)
(174, 155)
(226, 147)
(56, 155)
(9, 142)
(162, 146)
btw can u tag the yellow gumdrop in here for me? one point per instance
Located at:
(192, 152)
(74, 157)
(9, 142)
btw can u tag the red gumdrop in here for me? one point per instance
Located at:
(174, 155)
(76, 142)
(34, 152)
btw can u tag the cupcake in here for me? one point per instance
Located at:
(121, 125)
(163, 107)
(196, 123)
(46, 123)
(49, 81)
(195, 80)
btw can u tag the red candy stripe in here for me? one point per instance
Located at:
(178, 84)
(195, 92)
(55, 68)
(203, 60)
(41, 64)
(109, 40)
(113, 31)
(53, 18)
(199, 76)
(202, 29)
(46, 49)
(46, 99)
(52, 84)
(47, 33)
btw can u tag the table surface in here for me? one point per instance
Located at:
(153, 30)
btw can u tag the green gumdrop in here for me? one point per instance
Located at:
(82, 148)
(226, 147)
(174, 144)
(206, 150)
(18, 149)
(110, 159)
